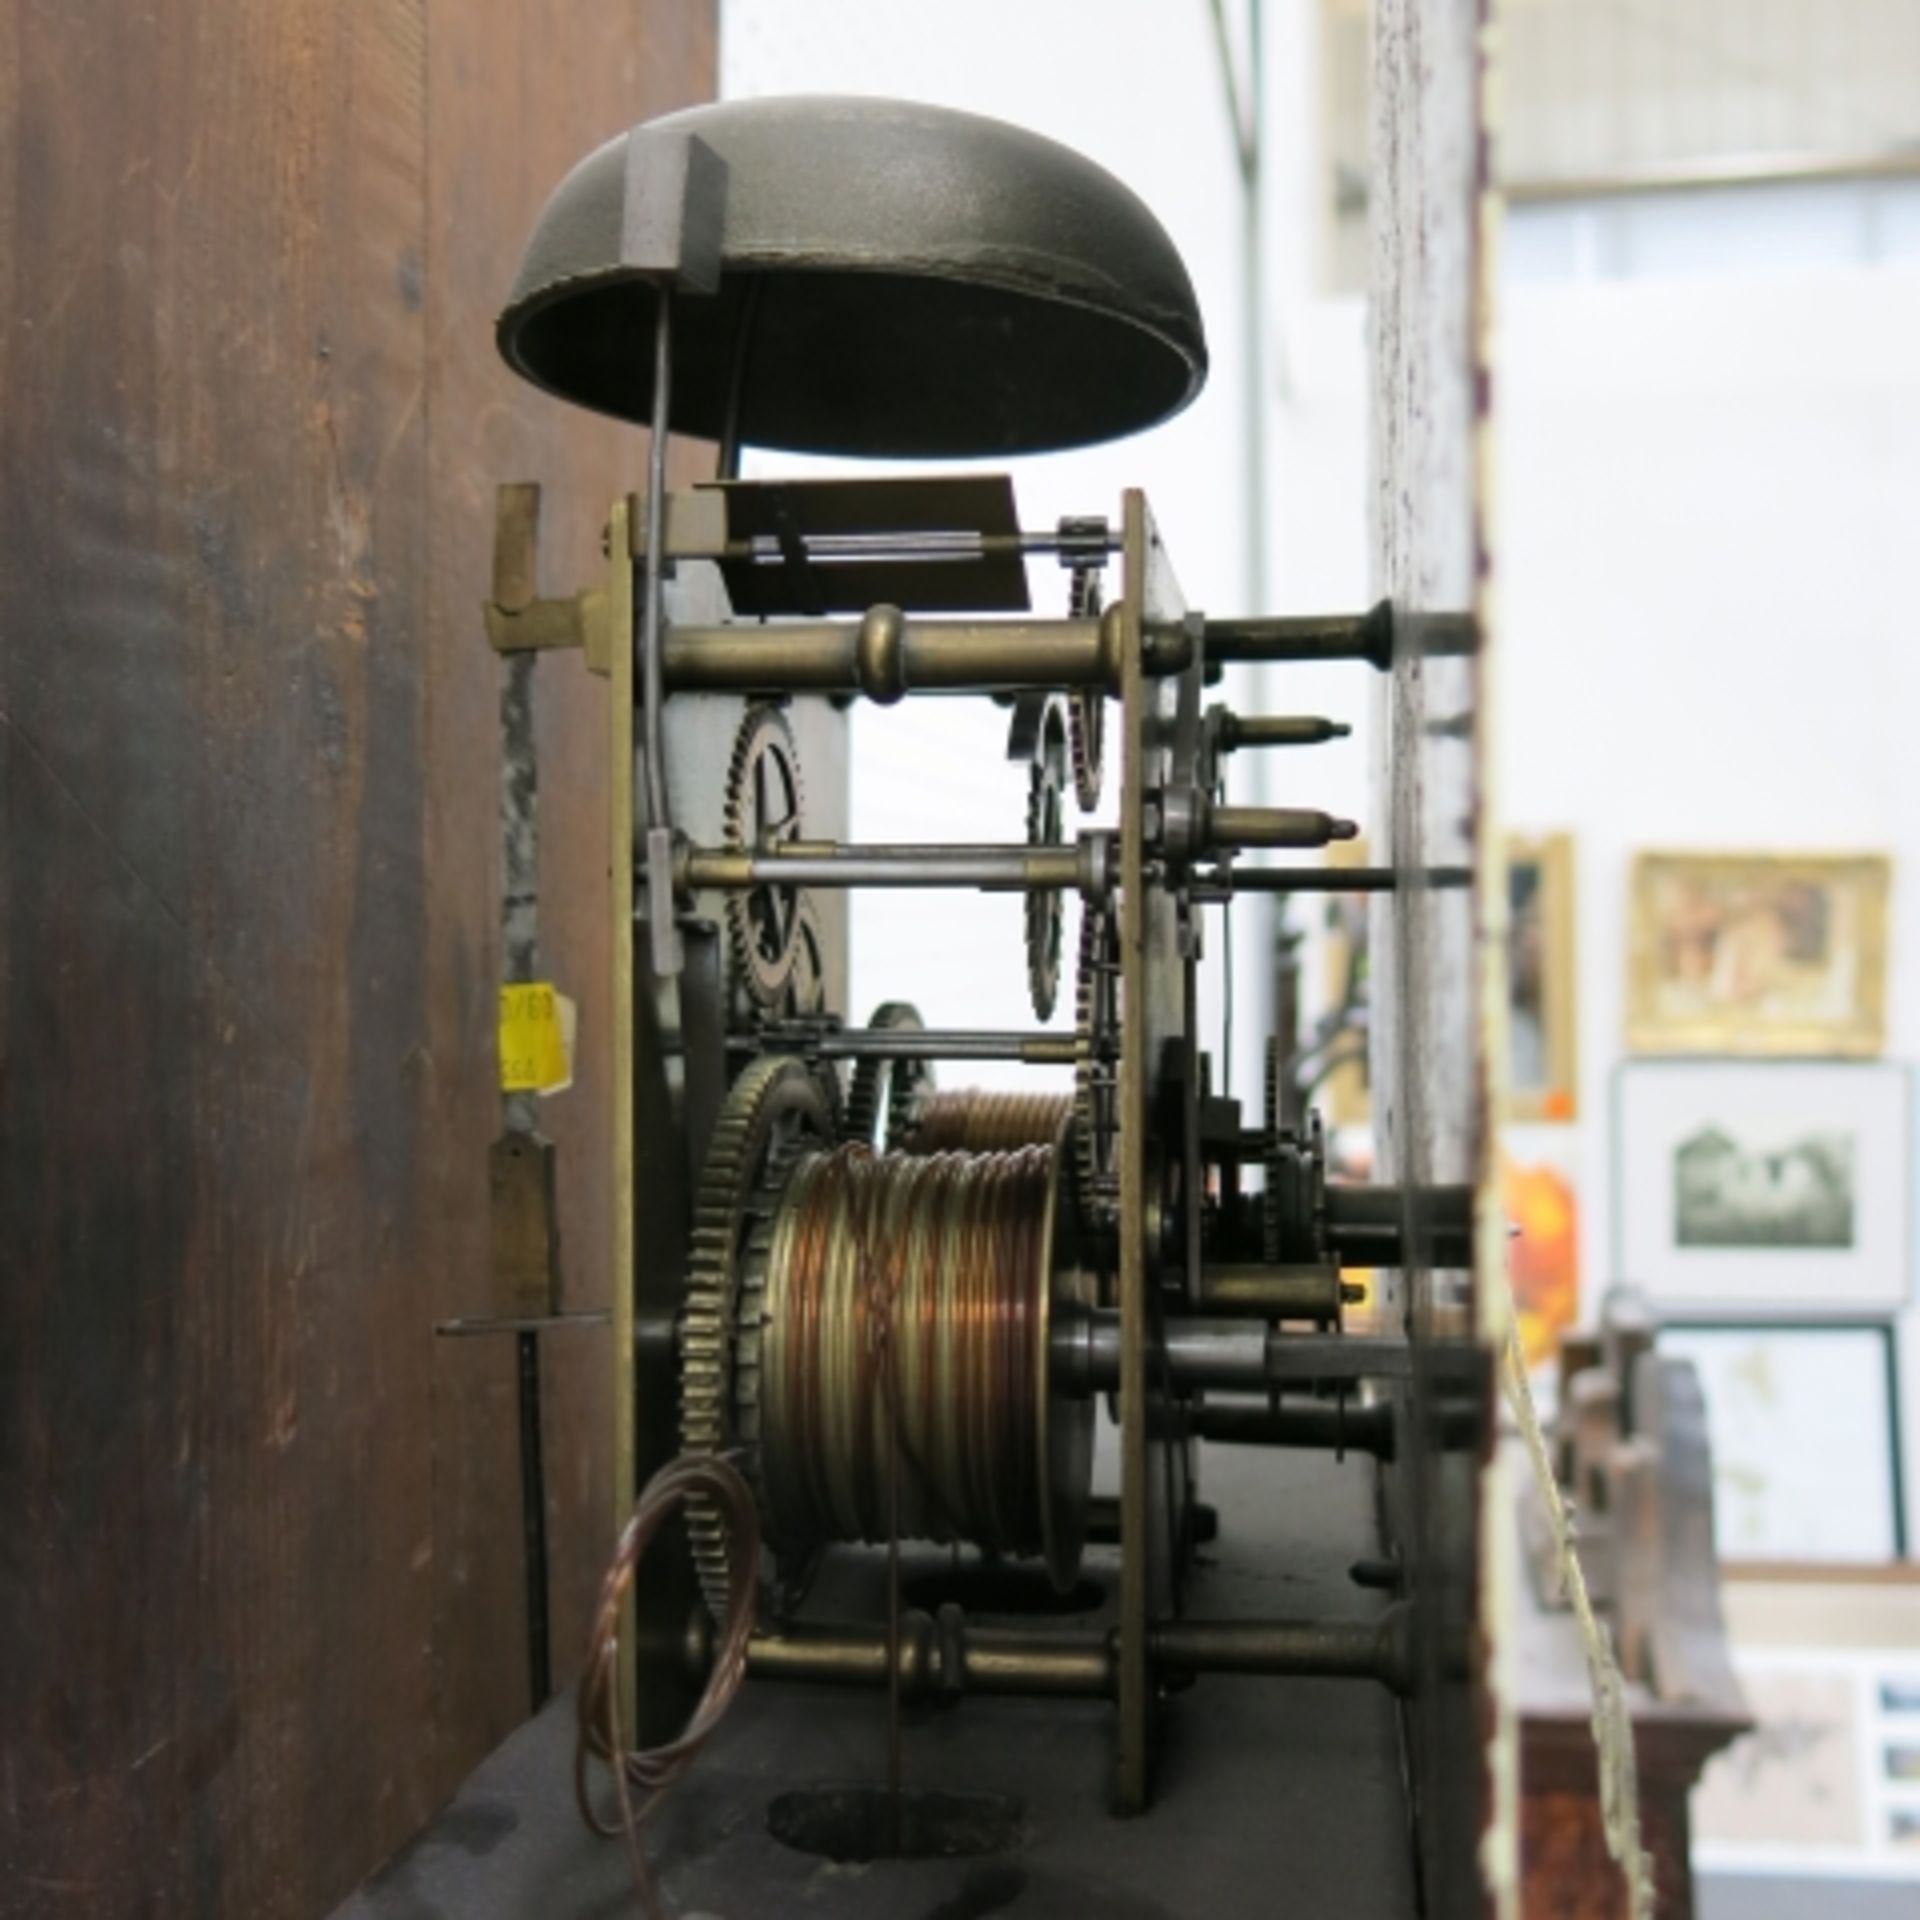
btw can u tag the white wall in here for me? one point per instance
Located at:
(1134, 84)
(1709, 516)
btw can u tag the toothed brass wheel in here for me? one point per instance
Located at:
(766, 926)
(1087, 706)
(1096, 1093)
(1046, 827)
(884, 1092)
(776, 1110)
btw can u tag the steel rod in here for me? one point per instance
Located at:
(663, 935)
(1271, 1293)
(1372, 636)
(1235, 827)
(1234, 731)
(918, 543)
(1375, 1649)
(1298, 637)
(1227, 881)
(1231, 1355)
(1005, 1660)
(839, 1656)
(1329, 1428)
(1368, 1224)
(955, 1656)
(885, 657)
(900, 1043)
(652, 694)
(991, 869)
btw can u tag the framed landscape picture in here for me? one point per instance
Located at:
(1769, 1388)
(1744, 1187)
(1758, 954)
(1542, 1081)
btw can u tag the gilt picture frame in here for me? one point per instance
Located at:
(1779, 954)
(1543, 1068)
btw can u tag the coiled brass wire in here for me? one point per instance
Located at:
(974, 1120)
(642, 1775)
(906, 1303)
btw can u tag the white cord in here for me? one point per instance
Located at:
(1612, 1719)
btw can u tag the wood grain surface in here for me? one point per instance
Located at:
(1431, 400)
(260, 1580)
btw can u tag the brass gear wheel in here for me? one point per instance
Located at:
(775, 1109)
(1086, 706)
(1046, 827)
(1096, 1092)
(884, 1092)
(806, 995)
(806, 1000)
(765, 801)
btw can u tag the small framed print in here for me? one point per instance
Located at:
(1796, 1784)
(1770, 1388)
(1542, 1072)
(1824, 1783)
(1758, 954)
(1746, 1187)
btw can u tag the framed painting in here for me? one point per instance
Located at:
(1770, 1388)
(1758, 954)
(1542, 1071)
(1744, 1187)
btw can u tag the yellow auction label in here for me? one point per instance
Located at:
(533, 1038)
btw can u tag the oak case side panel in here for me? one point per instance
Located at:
(260, 1584)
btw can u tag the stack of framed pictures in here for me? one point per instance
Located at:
(1761, 1171)
(1828, 1781)
(1806, 1455)
(1538, 1162)
(1542, 1034)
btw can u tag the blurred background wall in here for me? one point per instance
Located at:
(1706, 470)
(1710, 464)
